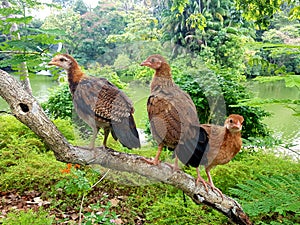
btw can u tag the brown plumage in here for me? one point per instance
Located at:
(100, 104)
(173, 116)
(224, 143)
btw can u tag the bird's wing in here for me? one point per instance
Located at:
(103, 99)
(172, 116)
(98, 102)
(164, 120)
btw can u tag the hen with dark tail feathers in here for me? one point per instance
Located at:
(173, 117)
(100, 104)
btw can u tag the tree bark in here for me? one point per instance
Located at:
(26, 109)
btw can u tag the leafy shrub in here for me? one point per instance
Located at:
(216, 93)
(76, 183)
(59, 103)
(275, 199)
(40, 217)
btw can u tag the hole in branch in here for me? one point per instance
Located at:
(24, 107)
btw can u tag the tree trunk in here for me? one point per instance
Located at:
(26, 109)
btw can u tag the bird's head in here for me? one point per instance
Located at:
(64, 61)
(234, 123)
(155, 62)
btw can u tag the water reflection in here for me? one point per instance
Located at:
(282, 121)
(40, 89)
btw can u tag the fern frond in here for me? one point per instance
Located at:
(271, 197)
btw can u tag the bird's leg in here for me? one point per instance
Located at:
(174, 167)
(95, 132)
(200, 179)
(106, 133)
(211, 183)
(155, 161)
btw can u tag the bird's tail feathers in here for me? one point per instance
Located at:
(193, 152)
(126, 132)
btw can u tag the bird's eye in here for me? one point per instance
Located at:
(152, 60)
(62, 59)
(230, 121)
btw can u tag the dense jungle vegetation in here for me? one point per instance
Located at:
(213, 48)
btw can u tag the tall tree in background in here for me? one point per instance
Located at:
(23, 44)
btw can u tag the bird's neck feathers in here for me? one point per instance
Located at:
(233, 133)
(75, 75)
(162, 77)
(163, 71)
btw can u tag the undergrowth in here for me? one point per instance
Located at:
(272, 199)
(255, 177)
(40, 217)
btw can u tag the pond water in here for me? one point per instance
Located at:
(282, 121)
(40, 89)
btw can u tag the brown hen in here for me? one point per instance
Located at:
(173, 117)
(100, 104)
(224, 143)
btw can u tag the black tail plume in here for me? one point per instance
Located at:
(194, 154)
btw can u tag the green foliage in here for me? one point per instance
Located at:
(75, 184)
(66, 127)
(250, 164)
(41, 217)
(106, 216)
(12, 131)
(259, 12)
(22, 42)
(274, 199)
(225, 47)
(140, 26)
(216, 93)
(59, 103)
(24, 163)
(171, 208)
(278, 53)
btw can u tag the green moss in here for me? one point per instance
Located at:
(40, 217)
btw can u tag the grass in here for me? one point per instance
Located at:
(27, 165)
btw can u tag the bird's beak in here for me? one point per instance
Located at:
(146, 63)
(52, 63)
(237, 126)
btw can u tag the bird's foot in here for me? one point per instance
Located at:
(173, 167)
(215, 189)
(200, 179)
(151, 161)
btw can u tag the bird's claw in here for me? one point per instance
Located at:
(150, 161)
(173, 167)
(213, 188)
(200, 179)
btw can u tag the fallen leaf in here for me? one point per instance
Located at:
(114, 202)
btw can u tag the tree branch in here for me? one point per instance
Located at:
(26, 109)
